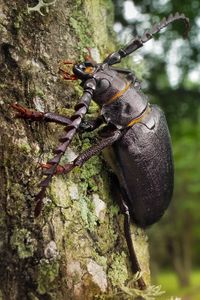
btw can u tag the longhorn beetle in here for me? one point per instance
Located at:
(136, 130)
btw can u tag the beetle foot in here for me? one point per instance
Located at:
(47, 169)
(141, 284)
(138, 279)
(25, 113)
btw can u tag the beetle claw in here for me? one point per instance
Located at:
(47, 169)
(25, 113)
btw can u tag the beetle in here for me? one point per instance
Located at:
(136, 130)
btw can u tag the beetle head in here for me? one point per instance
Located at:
(84, 70)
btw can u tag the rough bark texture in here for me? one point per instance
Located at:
(76, 248)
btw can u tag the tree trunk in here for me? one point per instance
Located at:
(76, 248)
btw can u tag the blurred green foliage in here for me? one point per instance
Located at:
(169, 283)
(178, 233)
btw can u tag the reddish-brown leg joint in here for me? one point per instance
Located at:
(25, 113)
(59, 169)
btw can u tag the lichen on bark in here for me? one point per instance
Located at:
(76, 248)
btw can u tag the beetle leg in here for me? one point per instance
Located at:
(56, 118)
(119, 194)
(31, 115)
(135, 265)
(25, 113)
(53, 168)
(84, 156)
(70, 130)
(46, 167)
(96, 149)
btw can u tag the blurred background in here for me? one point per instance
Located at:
(169, 67)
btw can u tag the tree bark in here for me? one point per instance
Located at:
(76, 248)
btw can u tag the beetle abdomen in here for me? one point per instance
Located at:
(146, 169)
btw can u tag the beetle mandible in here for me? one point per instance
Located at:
(137, 131)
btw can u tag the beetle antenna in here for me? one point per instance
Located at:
(71, 129)
(138, 42)
(89, 57)
(165, 22)
(148, 34)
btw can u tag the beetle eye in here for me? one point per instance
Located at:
(82, 66)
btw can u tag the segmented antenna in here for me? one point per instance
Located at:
(166, 21)
(148, 34)
(76, 119)
(138, 42)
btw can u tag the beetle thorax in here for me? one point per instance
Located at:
(109, 85)
(120, 101)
